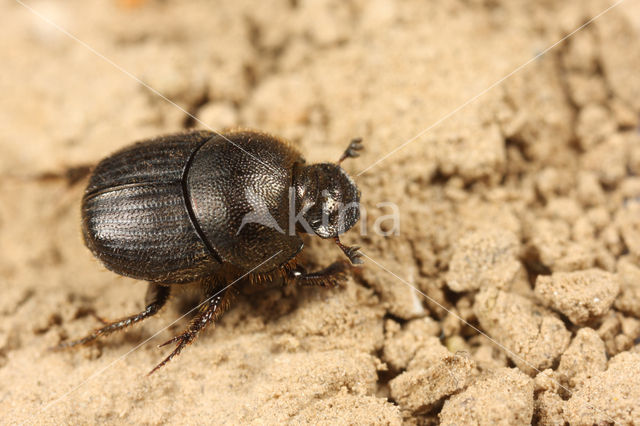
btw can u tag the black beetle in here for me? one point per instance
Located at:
(212, 208)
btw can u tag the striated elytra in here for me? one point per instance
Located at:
(212, 208)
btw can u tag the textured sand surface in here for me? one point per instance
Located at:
(509, 293)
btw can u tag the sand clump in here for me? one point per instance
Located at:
(609, 396)
(508, 292)
(582, 295)
(585, 356)
(548, 403)
(403, 345)
(535, 336)
(419, 390)
(484, 259)
(502, 396)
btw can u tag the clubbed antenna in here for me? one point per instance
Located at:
(352, 150)
(351, 252)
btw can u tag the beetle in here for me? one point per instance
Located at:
(213, 208)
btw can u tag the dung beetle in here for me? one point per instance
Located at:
(213, 208)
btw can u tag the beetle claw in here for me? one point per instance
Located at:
(170, 341)
(184, 341)
(212, 308)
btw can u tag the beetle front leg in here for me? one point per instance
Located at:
(156, 297)
(331, 276)
(215, 303)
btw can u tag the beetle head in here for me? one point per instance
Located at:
(328, 199)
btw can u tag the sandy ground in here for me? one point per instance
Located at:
(511, 293)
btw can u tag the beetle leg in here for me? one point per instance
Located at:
(331, 276)
(216, 302)
(157, 296)
(351, 252)
(352, 150)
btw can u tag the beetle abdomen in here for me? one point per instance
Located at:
(135, 218)
(156, 160)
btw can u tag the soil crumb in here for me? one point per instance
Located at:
(581, 295)
(502, 396)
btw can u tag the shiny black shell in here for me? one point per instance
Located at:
(171, 209)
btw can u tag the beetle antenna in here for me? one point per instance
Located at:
(351, 252)
(352, 150)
